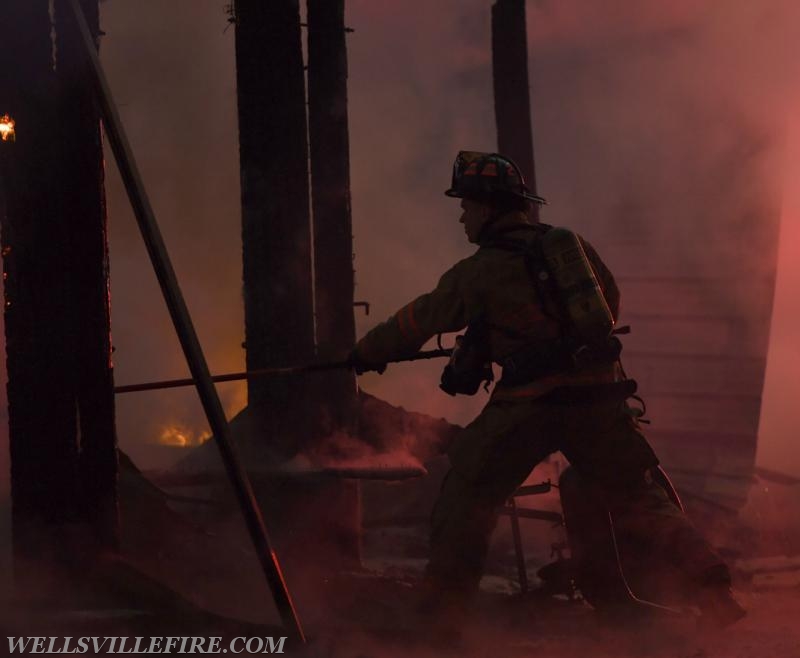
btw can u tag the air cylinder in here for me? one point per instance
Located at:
(575, 285)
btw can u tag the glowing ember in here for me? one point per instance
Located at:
(7, 132)
(182, 437)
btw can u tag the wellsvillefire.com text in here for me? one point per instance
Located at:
(145, 645)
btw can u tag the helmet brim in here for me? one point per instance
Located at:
(454, 193)
(535, 198)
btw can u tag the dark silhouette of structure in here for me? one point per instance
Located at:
(297, 414)
(330, 183)
(55, 259)
(276, 229)
(512, 106)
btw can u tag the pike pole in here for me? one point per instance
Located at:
(271, 372)
(187, 336)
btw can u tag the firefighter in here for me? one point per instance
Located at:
(561, 388)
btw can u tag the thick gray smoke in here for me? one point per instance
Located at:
(634, 102)
(627, 97)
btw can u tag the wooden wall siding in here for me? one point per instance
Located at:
(738, 336)
(663, 373)
(704, 412)
(711, 464)
(703, 297)
(700, 314)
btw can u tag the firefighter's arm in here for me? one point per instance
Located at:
(604, 278)
(442, 310)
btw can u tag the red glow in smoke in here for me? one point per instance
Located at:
(778, 444)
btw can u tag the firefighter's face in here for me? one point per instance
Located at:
(473, 217)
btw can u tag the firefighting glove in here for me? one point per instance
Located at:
(360, 365)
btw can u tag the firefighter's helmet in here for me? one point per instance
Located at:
(488, 177)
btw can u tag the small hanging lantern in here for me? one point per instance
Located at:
(7, 132)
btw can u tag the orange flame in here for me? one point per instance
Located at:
(7, 132)
(182, 437)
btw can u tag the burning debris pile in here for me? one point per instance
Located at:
(326, 493)
(390, 438)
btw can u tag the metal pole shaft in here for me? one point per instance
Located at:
(518, 550)
(266, 372)
(187, 336)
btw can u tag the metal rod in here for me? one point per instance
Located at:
(186, 334)
(267, 372)
(520, 553)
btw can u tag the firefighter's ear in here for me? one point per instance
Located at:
(487, 209)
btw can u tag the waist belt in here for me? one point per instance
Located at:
(554, 357)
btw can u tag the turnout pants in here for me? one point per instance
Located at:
(498, 450)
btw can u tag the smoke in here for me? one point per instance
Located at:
(632, 102)
(171, 71)
(778, 438)
(658, 132)
(342, 452)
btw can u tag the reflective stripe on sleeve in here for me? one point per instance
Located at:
(407, 323)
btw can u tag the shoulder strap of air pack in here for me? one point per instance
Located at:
(535, 264)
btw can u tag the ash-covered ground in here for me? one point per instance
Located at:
(202, 577)
(188, 568)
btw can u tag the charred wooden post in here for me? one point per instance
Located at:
(511, 90)
(42, 438)
(333, 254)
(330, 183)
(315, 526)
(60, 389)
(276, 233)
(82, 183)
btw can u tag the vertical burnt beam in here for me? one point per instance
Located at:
(85, 241)
(330, 183)
(340, 513)
(276, 233)
(511, 88)
(42, 421)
